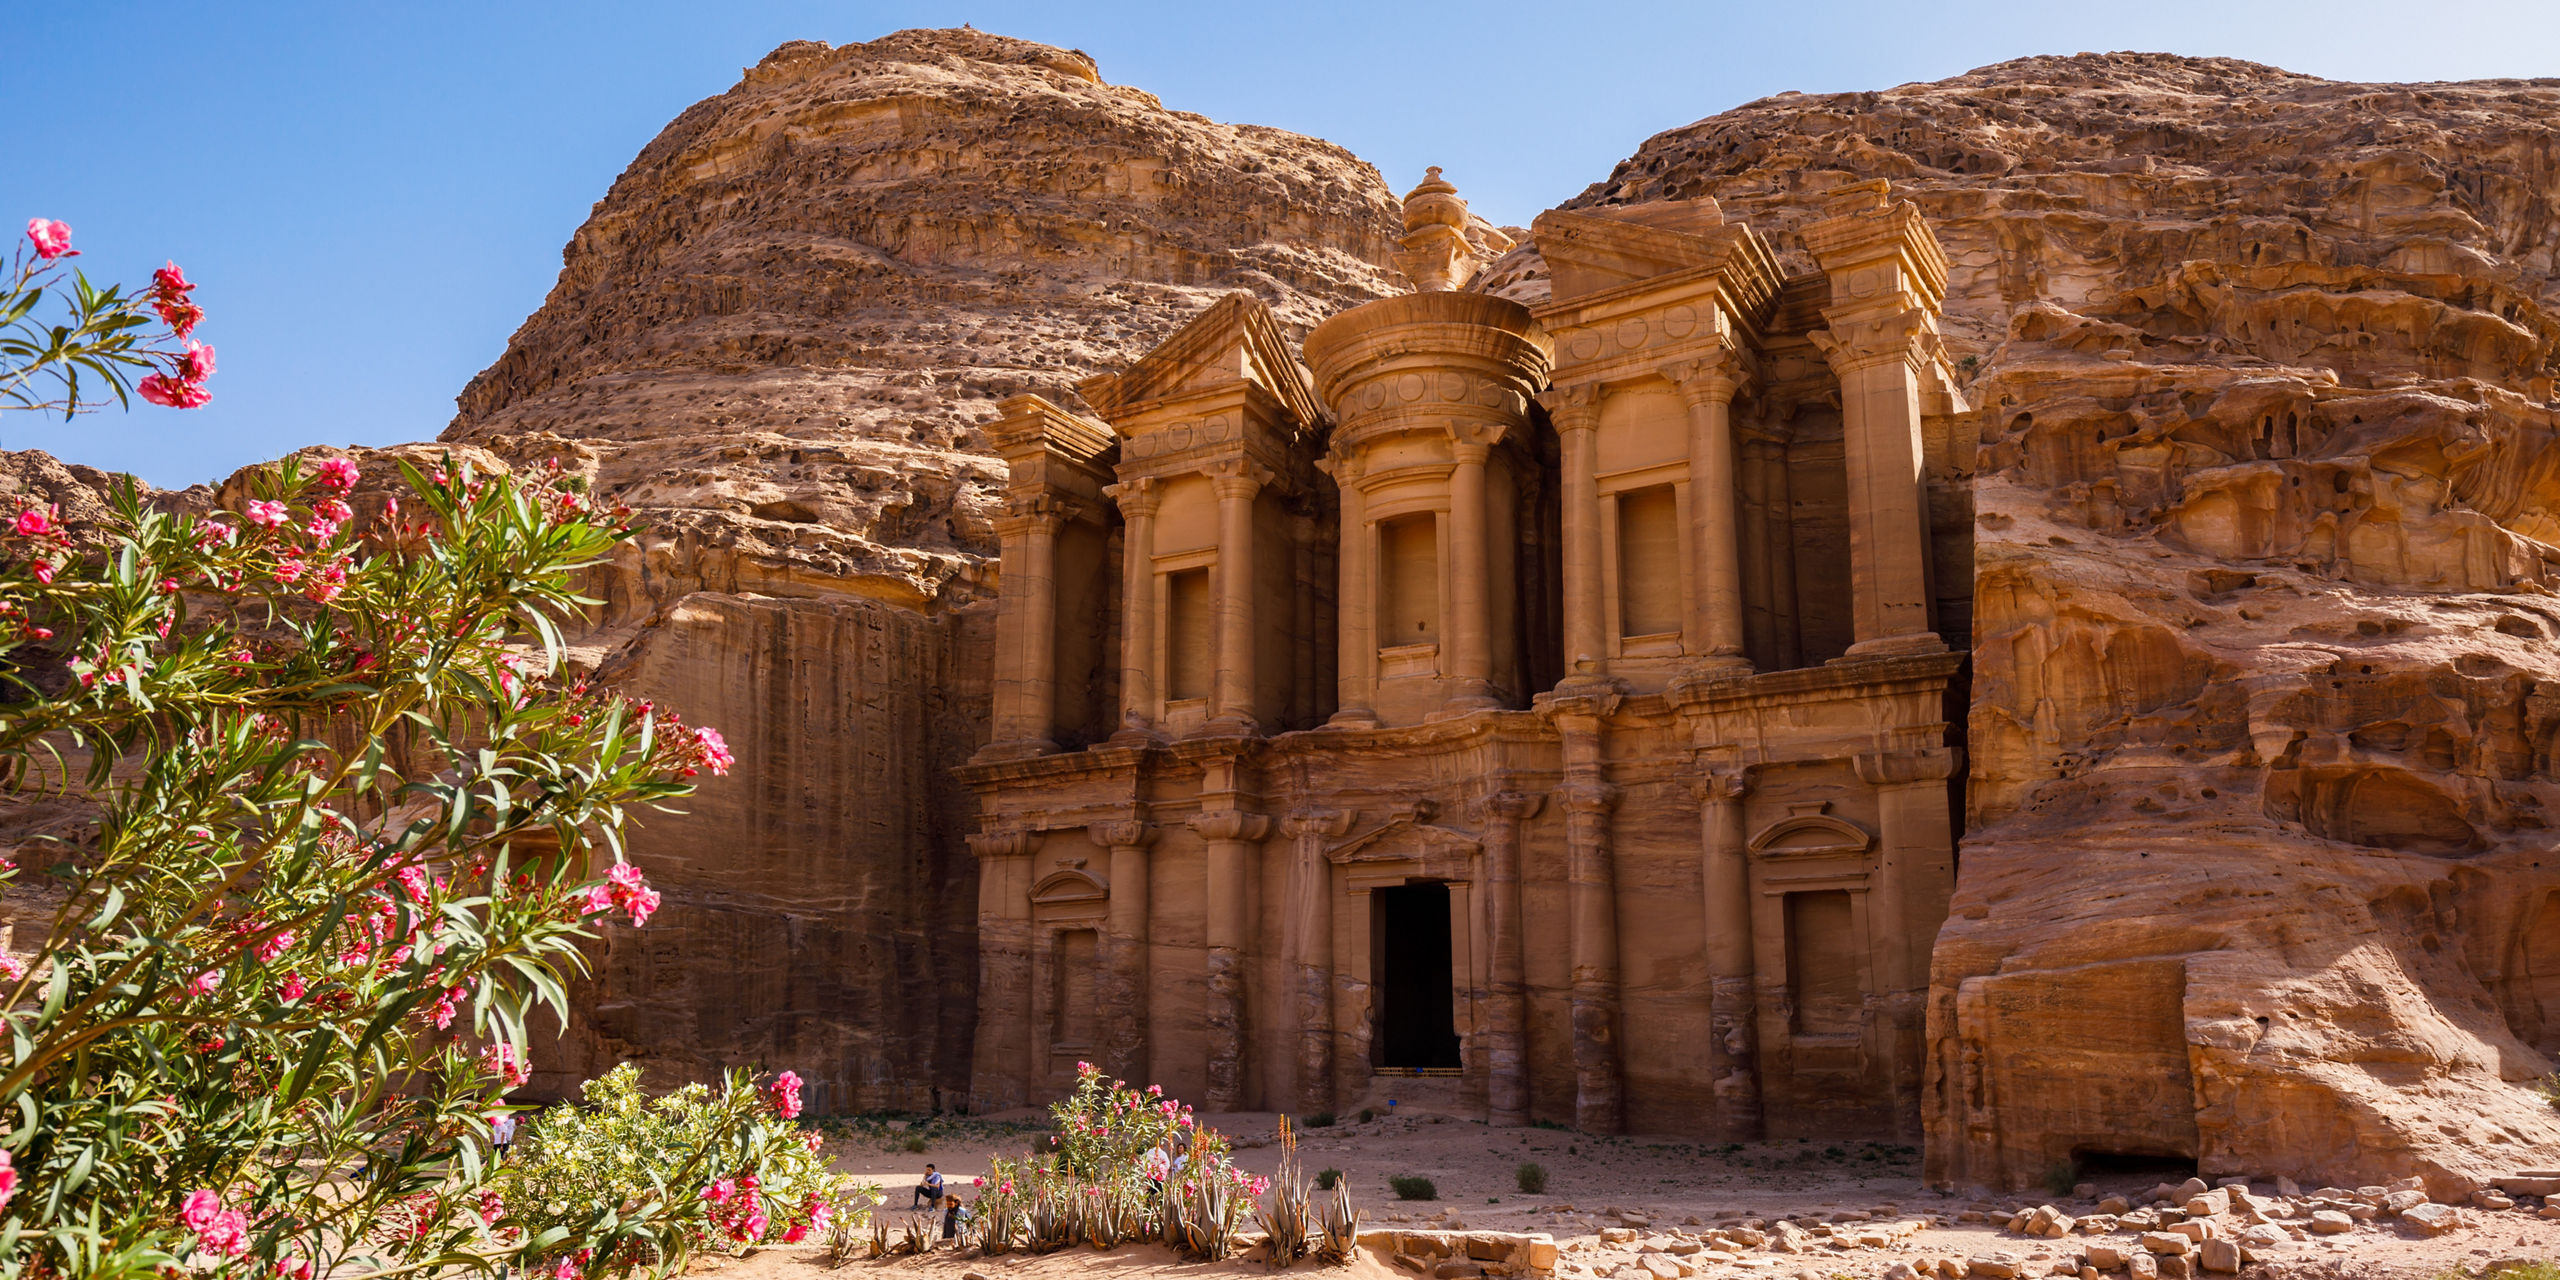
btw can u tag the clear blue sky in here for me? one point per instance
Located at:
(374, 195)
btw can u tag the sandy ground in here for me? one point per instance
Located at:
(1681, 1187)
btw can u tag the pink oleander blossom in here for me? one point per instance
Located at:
(205, 983)
(337, 473)
(292, 988)
(8, 1178)
(713, 750)
(36, 522)
(219, 1231)
(12, 967)
(52, 239)
(195, 364)
(786, 1095)
(269, 515)
(274, 945)
(500, 1060)
(173, 393)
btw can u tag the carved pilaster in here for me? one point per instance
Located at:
(1232, 835)
(1914, 877)
(1733, 1056)
(1507, 1021)
(1708, 385)
(1138, 497)
(1592, 891)
(1355, 603)
(1125, 991)
(1307, 947)
(1576, 412)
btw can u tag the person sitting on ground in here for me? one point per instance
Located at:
(928, 1192)
(950, 1217)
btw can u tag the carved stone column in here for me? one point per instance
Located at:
(1915, 875)
(1002, 1067)
(1232, 835)
(1888, 277)
(1733, 1056)
(1507, 1020)
(1592, 889)
(1138, 499)
(1123, 980)
(1708, 386)
(1356, 605)
(1470, 593)
(1025, 693)
(1235, 484)
(1888, 521)
(1307, 948)
(1576, 411)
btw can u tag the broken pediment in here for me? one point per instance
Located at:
(1232, 346)
(1588, 253)
(1807, 831)
(1068, 886)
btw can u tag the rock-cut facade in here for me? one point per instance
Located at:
(1541, 713)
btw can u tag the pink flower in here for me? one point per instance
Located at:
(293, 988)
(172, 393)
(171, 280)
(799, 1231)
(13, 969)
(268, 515)
(786, 1095)
(719, 1192)
(492, 1206)
(290, 1267)
(35, 522)
(500, 1060)
(337, 473)
(275, 945)
(413, 882)
(713, 750)
(219, 1231)
(206, 983)
(196, 363)
(169, 290)
(8, 1178)
(333, 511)
(52, 239)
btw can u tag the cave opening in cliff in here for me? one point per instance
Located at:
(2094, 1163)
(1409, 939)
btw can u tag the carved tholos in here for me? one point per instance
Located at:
(1610, 789)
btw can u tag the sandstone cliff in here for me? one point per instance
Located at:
(775, 338)
(2259, 869)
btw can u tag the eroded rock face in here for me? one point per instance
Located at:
(2259, 868)
(775, 339)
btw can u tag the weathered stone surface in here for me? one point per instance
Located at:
(776, 338)
(2258, 866)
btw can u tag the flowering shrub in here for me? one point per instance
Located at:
(760, 1179)
(42, 361)
(341, 805)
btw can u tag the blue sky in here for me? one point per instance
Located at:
(373, 196)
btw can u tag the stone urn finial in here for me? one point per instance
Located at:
(1433, 252)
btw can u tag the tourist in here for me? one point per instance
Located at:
(502, 1133)
(929, 1192)
(950, 1217)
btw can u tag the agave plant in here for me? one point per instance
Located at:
(917, 1236)
(1285, 1218)
(1337, 1225)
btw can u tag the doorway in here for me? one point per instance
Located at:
(1417, 1007)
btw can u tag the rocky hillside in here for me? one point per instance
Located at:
(2260, 868)
(775, 338)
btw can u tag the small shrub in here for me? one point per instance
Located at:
(2060, 1177)
(1413, 1187)
(1366, 1115)
(1532, 1177)
(1326, 1178)
(2549, 1088)
(916, 1142)
(1320, 1120)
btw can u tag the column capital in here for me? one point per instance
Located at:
(1716, 377)
(1345, 467)
(1515, 806)
(1303, 823)
(1575, 407)
(1237, 478)
(1907, 768)
(1721, 786)
(1004, 842)
(1137, 495)
(1586, 796)
(1044, 511)
(1131, 833)
(1860, 339)
(1230, 824)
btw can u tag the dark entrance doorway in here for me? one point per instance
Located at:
(1409, 937)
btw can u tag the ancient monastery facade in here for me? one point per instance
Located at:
(1544, 714)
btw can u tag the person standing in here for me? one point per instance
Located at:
(502, 1133)
(928, 1192)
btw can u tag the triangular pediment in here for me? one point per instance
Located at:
(1234, 343)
